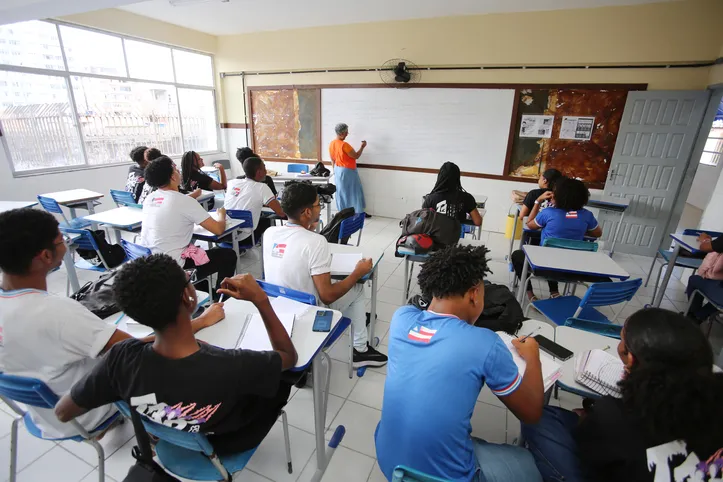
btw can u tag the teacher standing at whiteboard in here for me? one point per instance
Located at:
(349, 191)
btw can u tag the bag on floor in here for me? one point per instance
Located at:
(97, 296)
(331, 230)
(419, 243)
(320, 170)
(502, 312)
(443, 230)
(113, 254)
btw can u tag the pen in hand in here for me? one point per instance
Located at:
(522, 340)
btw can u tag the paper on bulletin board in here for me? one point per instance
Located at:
(577, 128)
(539, 126)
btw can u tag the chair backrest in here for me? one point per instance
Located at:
(406, 474)
(297, 168)
(466, 229)
(29, 391)
(188, 440)
(698, 232)
(276, 291)
(570, 244)
(123, 198)
(134, 251)
(241, 214)
(606, 329)
(606, 294)
(52, 206)
(84, 240)
(351, 225)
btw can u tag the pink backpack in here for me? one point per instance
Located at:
(712, 266)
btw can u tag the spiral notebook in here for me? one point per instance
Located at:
(600, 371)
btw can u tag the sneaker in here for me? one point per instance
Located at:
(369, 358)
(367, 215)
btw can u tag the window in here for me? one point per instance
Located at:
(115, 94)
(714, 145)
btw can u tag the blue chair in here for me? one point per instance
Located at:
(297, 168)
(570, 244)
(682, 261)
(85, 240)
(351, 225)
(190, 455)
(134, 251)
(124, 198)
(35, 393)
(406, 474)
(248, 222)
(467, 229)
(558, 310)
(276, 291)
(52, 206)
(605, 329)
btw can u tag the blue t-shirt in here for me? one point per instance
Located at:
(557, 223)
(437, 367)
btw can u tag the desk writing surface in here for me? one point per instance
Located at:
(73, 195)
(687, 241)
(10, 205)
(124, 216)
(603, 201)
(231, 224)
(573, 261)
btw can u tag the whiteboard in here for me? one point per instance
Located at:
(422, 127)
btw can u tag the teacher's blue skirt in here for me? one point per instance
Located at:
(349, 192)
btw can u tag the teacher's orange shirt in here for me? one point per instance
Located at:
(339, 153)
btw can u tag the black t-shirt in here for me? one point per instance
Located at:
(532, 196)
(717, 244)
(210, 391)
(455, 204)
(136, 181)
(611, 445)
(199, 180)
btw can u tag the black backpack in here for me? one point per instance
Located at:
(113, 254)
(320, 170)
(331, 230)
(443, 230)
(502, 312)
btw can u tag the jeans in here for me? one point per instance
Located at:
(552, 445)
(713, 289)
(221, 261)
(353, 306)
(503, 463)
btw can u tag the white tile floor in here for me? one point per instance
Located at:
(354, 403)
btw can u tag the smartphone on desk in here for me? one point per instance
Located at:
(322, 320)
(553, 349)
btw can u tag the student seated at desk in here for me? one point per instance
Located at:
(194, 178)
(168, 221)
(49, 337)
(567, 219)
(546, 182)
(136, 180)
(234, 396)
(707, 280)
(439, 362)
(251, 194)
(670, 396)
(448, 196)
(298, 258)
(243, 153)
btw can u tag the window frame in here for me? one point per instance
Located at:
(68, 74)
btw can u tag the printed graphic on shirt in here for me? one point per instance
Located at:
(672, 462)
(156, 201)
(278, 250)
(450, 210)
(571, 215)
(420, 333)
(187, 417)
(236, 191)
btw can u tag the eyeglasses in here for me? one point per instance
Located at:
(317, 205)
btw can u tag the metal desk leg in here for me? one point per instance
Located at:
(668, 273)
(90, 206)
(323, 456)
(405, 291)
(328, 214)
(70, 269)
(512, 237)
(235, 240)
(617, 230)
(522, 283)
(373, 308)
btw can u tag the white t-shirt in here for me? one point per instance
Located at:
(168, 221)
(292, 255)
(54, 339)
(247, 195)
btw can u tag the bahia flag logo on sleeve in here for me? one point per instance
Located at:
(278, 250)
(420, 333)
(571, 215)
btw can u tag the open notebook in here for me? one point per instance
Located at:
(600, 371)
(342, 264)
(551, 370)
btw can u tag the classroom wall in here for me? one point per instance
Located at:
(712, 215)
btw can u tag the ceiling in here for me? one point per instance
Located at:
(244, 16)
(12, 11)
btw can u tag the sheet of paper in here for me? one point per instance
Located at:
(551, 370)
(344, 263)
(577, 128)
(287, 306)
(538, 126)
(257, 338)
